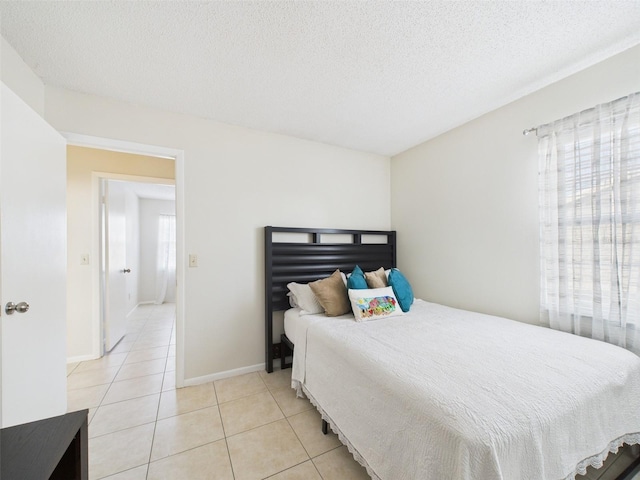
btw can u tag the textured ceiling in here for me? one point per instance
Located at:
(376, 76)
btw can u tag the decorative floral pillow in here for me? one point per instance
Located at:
(372, 304)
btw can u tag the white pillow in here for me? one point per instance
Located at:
(374, 303)
(303, 297)
(292, 300)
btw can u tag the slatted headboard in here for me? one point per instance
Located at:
(313, 256)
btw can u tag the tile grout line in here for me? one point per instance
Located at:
(107, 391)
(155, 426)
(157, 408)
(301, 443)
(169, 348)
(225, 437)
(108, 388)
(222, 422)
(299, 440)
(155, 423)
(291, 427)
(226, 443)
(153, 436)
(310, 458)
(116, 375)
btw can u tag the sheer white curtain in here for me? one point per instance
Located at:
(166, 260)
(590, 223)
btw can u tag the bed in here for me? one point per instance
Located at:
(441, 393)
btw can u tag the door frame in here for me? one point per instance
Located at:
(178, 156)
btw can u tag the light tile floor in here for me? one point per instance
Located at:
(246, 427)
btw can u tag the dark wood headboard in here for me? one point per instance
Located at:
(310, 259)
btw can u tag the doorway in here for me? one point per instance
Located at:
(137, 252)
(84, 249)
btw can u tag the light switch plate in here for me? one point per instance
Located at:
(84, 259)
(193, 260)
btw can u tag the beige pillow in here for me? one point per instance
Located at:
(332, 294)
(376, 279)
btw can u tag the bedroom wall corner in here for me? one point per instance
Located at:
(17, 75)
(474, 244)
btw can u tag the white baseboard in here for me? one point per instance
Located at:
(190, 382)
(81, 358)
(137, 305)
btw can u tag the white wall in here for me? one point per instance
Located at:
(150, 210)
(236, 181)
(20, 78)
(465, 204)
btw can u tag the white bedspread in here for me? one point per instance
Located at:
(445, 394)
(296, 325)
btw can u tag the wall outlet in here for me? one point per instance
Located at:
(84, 259)
(193, 260)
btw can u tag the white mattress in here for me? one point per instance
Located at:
(292, 324)
(446, 394)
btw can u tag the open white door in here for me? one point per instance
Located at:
(33, 243)
(115, 258)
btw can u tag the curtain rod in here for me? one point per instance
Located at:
(535, 129)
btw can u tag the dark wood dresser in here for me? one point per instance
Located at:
(54, 448)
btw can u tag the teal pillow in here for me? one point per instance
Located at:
(357, 281)
(401, 288)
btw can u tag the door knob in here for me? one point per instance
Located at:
(126, 270)
(12, 307)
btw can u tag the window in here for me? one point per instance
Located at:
(590, 222)
(166, 259)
